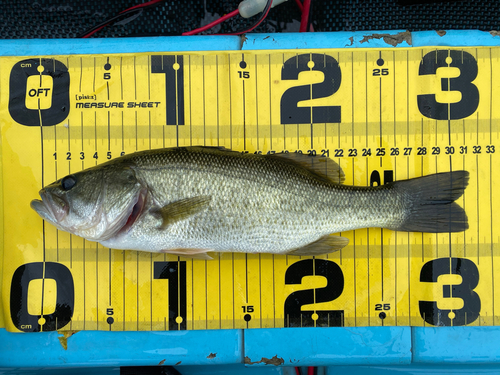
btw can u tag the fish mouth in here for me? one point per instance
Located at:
(137, 209)
(51, 208)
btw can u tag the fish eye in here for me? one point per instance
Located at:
(68, 182)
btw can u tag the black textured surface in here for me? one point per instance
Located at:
(62, 19)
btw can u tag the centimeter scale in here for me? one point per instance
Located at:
(383, 115)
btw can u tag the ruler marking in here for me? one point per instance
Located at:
(177, 99)
(220, 299)
(450, 159)
(491, 239)
(84, 285)
(270, 105)
(135, 81)
(230, 114)
(478, 217)
(217, 100)
(274, 294)
(81, 73)
(151, 288)
(232, 283)
(43, 221)
(97, 282)
(246, 278)
(491, 95)
(381, 230)
(395, 179)
(121, 77)
(190, 106)
(260, 291)
(256, 100)
(123, 134)
(192, 279)
(109, 276)
(137, 288)
(244, 113)
(148, 58)
(109, 132)
(206, 295)
(203, 94)
(314, 289)
(124, 299)
(366, 104)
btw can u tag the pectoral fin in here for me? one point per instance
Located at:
(325, 245)
(190, 253)
(183, 209)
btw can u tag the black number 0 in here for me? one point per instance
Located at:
(18, 92)
(65, 300)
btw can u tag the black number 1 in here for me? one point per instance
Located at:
(175, 273)
(174, 85)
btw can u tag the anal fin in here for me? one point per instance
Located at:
(325, 245)
(190, 253)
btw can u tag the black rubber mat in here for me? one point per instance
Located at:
(62, 19)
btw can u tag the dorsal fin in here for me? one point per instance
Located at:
(321, 165)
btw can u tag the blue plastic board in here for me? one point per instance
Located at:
(328, 346)
(98, 348)
(382, 346)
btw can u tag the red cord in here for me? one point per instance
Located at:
(151, 2)
(254, 26)
(305, 16)
(299, 4)
(93, 32)
(212, 24)
(297, 371)
(310, 370)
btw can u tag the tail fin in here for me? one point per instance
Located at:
(432, 205)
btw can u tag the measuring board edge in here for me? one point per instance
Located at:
(372, 39)
(48, 47)
(321, 40)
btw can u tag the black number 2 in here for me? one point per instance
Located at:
(470, 278)
(291, 113)
(464, 61)
(294, 315)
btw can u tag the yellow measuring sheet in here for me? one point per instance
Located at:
(383, 115)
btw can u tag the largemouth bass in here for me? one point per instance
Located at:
(189, 201)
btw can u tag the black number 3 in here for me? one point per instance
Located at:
(470, 278)
(464, 61)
